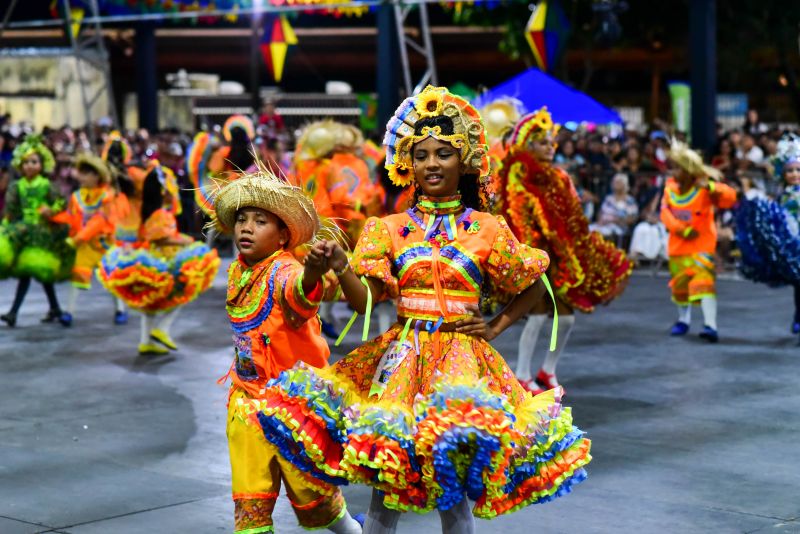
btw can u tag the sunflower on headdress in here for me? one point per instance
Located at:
(400, 175)
(429, 103)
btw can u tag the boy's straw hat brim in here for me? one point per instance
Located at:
(265, 191)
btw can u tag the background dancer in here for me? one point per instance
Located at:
(39, 245)
(543, 210)
(687, 210)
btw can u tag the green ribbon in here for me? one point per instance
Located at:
(554, 332)
(367, 315)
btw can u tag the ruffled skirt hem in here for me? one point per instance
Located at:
(462, 439)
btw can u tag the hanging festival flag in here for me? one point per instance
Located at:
(278, 37)
(76, 17)
(546, 32)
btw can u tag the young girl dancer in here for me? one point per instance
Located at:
(768, 231)
(40, 245)
(543, 210)
(428, 413)
(166, 271)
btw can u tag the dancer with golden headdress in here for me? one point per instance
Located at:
(428, 413)
(543, 210)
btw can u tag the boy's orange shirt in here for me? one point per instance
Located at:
(274, 322)
(693, 209)
(91, 214)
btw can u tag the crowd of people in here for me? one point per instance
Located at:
(452, 230)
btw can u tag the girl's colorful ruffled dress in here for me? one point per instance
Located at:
(768, 231)
(422, 413)
(151, 277)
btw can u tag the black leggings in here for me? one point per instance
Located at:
(22, 290)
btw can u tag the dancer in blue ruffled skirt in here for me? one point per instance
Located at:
(768, 231)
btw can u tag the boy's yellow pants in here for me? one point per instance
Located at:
(257, 469)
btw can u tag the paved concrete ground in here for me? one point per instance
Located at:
(688, 437)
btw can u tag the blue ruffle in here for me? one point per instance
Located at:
(769, 240)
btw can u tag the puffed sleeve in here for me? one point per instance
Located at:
(513, 266)
(372, 256)
(298, 306)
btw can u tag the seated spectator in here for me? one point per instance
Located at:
(618, 211)
(587, 199)
(567, 158)
(649, 238)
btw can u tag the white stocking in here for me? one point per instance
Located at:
(458, 519)
(527, 344)
(709, 307)
(346, 525)
(72, 299)
(147, 325)
(685, 314)
(565, 325)
(380, 520)
(166, 323)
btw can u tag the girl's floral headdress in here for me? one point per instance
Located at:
(788, 152)
(469, 136)
(33, 145)
(534, 126)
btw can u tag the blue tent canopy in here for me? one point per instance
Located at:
(535, 89)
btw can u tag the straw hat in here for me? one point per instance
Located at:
(348, 136)
(500, 116)
(318, 140)
(691, 161)
(95, 163)
(264, 190)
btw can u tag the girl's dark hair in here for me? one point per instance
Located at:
(473, 193)
(240, 156)
(152, 194)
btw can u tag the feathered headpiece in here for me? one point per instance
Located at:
(500, 116)
(469, 136)
(691, 161)
(238, 121)
(317, 140)
(534, 126)
(788, 152)
(33, 145)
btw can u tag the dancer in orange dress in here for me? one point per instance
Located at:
(428, 413)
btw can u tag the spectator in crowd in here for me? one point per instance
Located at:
(567, 158)
(752, 125)
(751, 152)
(649, 238)
(271, 119)
(618, 211)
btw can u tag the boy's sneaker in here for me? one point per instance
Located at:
(360, 518)
(796, 327)
(120, 317)
(679, 329)
(709, 334)
(65, 319)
